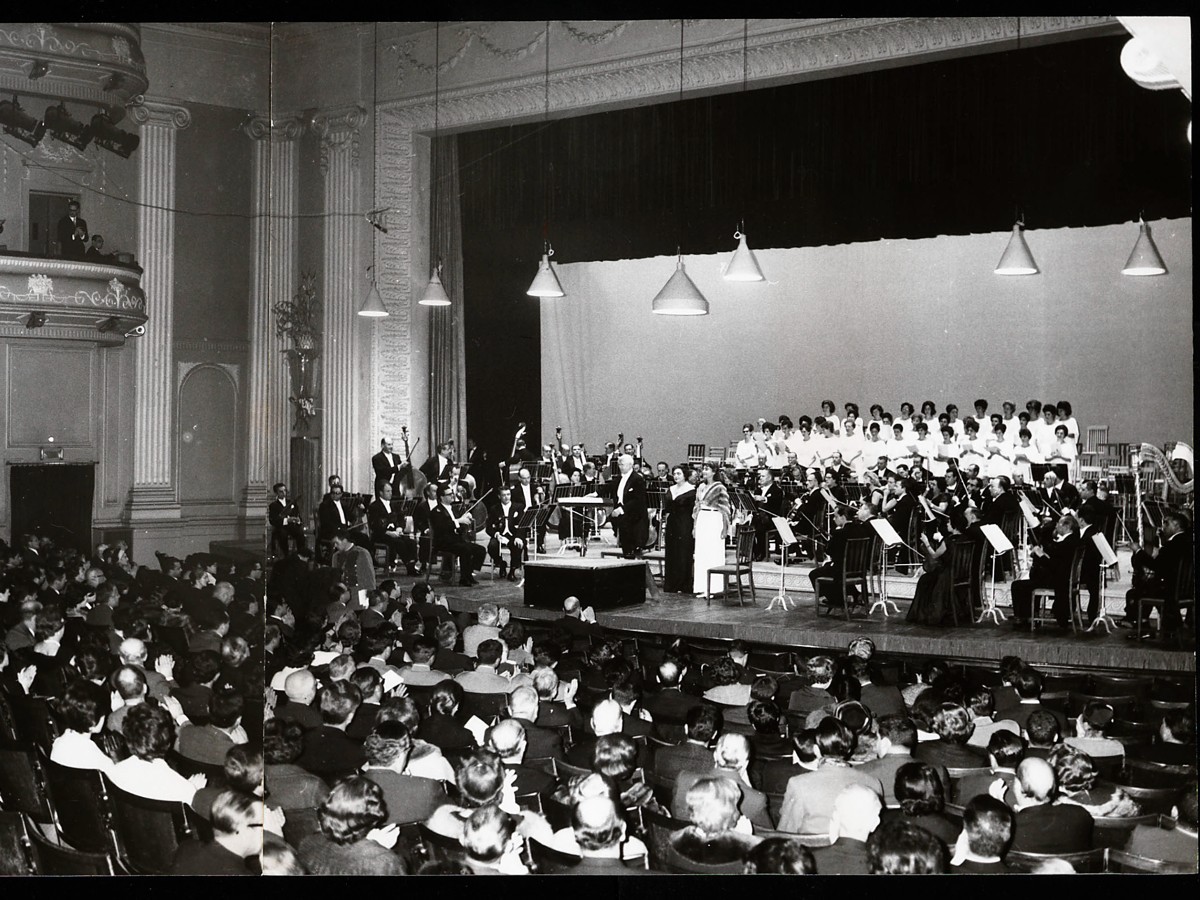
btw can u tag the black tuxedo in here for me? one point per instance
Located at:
(435, 470)
(1064, 496)
(519, 504)
(633, 524)
(771, 505)
(283, 530)
(1166, 565)
(328, 521)
(1050, 571)
(71, 244)
(1089, 572)
(387, 471)
(379, 520)
(994, 509)
(837, 555)
(446, 538)
(501, 526)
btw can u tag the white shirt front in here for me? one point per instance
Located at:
(621, 486)
(527, 493)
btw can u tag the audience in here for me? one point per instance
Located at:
(353, 838)
(854, 817)
(986, 834)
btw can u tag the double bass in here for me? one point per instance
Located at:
(414, 480)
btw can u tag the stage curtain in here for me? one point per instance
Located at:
(447, 341)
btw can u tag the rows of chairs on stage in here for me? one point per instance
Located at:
(131, 713)
(406, 738)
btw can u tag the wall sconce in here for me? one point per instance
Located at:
(35, 320)
(37, 69)
(107, 135)
(67, 129)
(20, 124)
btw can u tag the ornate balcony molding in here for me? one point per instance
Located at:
(75, 298)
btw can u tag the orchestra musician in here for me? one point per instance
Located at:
(843, 530)
(769, 501)
(520, 453)
(387, 465)
(807, 513)
(525, 495)
(1055, 499)
(837, 467)
(501, 525)
(438, 467)
(387, 527)
(424, 509)
(336, 511)
(629, 514)
(1052, 562)
(475, 464)
(286, 524)
(445, 535)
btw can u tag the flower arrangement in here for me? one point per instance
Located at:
(299, 319)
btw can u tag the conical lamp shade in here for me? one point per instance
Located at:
(1017, 260)
(545, 282)
(680, 297)
(743, 266)
(373, 306)
(435, 294)
(1144, 260)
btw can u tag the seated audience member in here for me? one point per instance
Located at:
(952, 724)
(729, 685)
(768, 739)
(780, 856)
(1043, 826)
(490, 843)
(718, 833)
(616, 757)
(1076, 776)
(731, 760)
(290, 786)
(1042, 733)
(895, 744)
(150, 734)
(587, 787)
(627, 691)
(328, 751)
(1028, 685)
(982, 707)
(441, 727)
(855, 815)
(808, 800)
(1176, 844)
(600, 832)
(486, 628)
(81, 715)
(481, 782)
(901, 848)
(370, 685)
(922, 797)
(300, 688)
(518, 645)
(354, 838)
(701, 728)
(197, 675)
(668, 704)
(409, 798)
(1090, 725)
(1005, 751)
(237, 825)
(280, 859)
(813, 696)
(1176, 741)
(774, 774)
(987, 831)
(763, 687)
(420, 671)
(448, 659)
(507, 740)
(556, 699)
(209, 743)
(484, 680)
(540, 742)
(426, 759)
(606, 718)
(130, 688)
(881, 699)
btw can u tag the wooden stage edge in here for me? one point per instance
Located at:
(803, 628)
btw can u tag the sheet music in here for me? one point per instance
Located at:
(996, 537)
(886, 532)
(784, 529)
(391, 680)
(1031, 518)
(1105, 548)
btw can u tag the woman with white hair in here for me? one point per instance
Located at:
(718, 833)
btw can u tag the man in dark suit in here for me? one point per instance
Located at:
(1053, 560)
(438, 467)
(387, 527)
(477, 469)
(444, 525)
(954, 727)
(1000, 501)
(897, 741)
(387, 464)
(72, 233)
(540, 742)
(507, 740)
(843, 531)
(1055, 498)
(408, 798)
(1177, 547)
(1044, 826)
(1028, 684)
(335, 512)
(669, 705)
(703, 724)
(856, 812)
(328, 752)
(769, 500)
(730, 759)
(286, 525)
(628, 492)
(501, 525)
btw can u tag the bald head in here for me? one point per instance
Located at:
(732, 751)
(507, 739)
(523, 703)
(1036, 779)
(855, 813)
(607, 718)
(301, 687)
(132, 652)
(571, 606)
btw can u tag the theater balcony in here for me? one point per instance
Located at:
(72, 300)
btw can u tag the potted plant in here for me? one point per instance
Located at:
(299, 321)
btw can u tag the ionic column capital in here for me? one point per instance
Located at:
(153, 112)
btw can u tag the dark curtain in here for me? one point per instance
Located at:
(447, 350)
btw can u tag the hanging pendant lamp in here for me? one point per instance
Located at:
(373, 307)
(1144, 260)
(435, 294)
(680, 296)
(744, 265)
(1017, 260)
(545, 282)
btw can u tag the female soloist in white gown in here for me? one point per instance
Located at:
(712, 515)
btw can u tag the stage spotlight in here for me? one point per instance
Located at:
(112, 323)
(38, 69)
(110, 137)
(136, 332)
(19, 123)
(35, 320)
(67, 129)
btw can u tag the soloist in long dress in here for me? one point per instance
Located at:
(712, 515)
(679, 543)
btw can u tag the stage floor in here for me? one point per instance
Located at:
(803, 627)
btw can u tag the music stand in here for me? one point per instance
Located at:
(527, 525)
(1000, 545)
(1108, 559)
(787, 538)
(890, 537)
(1029, 520)
(541, 516)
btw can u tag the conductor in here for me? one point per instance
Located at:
(628, 492)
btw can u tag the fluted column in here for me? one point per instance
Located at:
(339, 130)
(272, 278)
(155, 494)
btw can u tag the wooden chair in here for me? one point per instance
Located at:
(48, 858)
(566, 771)
(1123, 707)
(1185, 594)
(80, 804)
(1083, 861)
(856, 572)
(965, 576)
(1132, 864)
(531, 802)
(1150, 799)
(1146, 773)
(1114, 831)
(808, 840)
(659, 829)
(549, 861)
(1043, 599)
(695, 455)
(1121, 685)
(671, 860)
(23, 784)
(742, 566)
(770, 662)
(146, 833)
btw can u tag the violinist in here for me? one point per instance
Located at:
(387, 527)
(501, 525)
(1000, 502)
(844, 529)
(446, 538)
(842, 473)
(769, 500)
(338, 511)
(526, 495)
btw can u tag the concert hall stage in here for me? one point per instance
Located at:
(802, 627)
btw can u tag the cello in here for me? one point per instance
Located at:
(414, 480)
